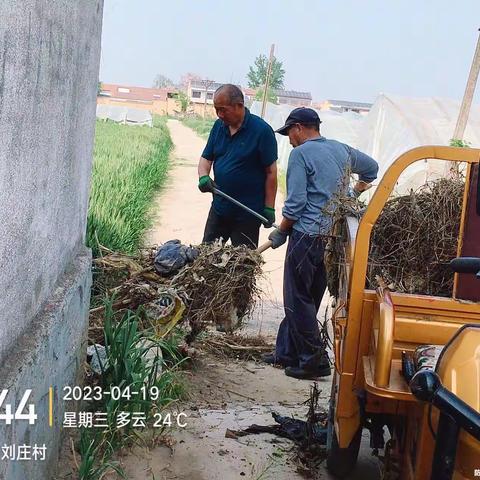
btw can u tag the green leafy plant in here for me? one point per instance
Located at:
(257, 73)
(182, 97)
(201, 125)
(271, 97)
(455, 142)
(94, 463)
(129, 367)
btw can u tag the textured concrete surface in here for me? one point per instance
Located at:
(49, 58)
(50, 354)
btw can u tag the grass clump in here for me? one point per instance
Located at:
(201, 125)
(130, 165)
(141, 374)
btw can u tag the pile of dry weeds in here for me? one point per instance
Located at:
(415, 238)
(219, 287)
(412, 242)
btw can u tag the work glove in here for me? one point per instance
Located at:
(206, 184)
(278, 237)
(269, 214)
(352, 193)
(355, 193)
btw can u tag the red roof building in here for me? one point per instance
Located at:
(136, 94)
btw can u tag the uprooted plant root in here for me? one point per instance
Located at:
(219, 287)
(237, 346)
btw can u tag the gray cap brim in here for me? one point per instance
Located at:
(283, 130)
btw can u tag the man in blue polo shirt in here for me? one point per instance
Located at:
(243, 151)
(316, 169)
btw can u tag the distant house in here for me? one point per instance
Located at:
(346, 106)
(292, 97)
(161, 101)
(136, 94)
(249, 95)
(198, 89)
(288, 97)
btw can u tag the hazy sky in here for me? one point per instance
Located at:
(337, 49)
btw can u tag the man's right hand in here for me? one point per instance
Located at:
(278, 237)
(206, 184)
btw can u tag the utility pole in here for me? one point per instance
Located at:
(267, 80)
(468, 95)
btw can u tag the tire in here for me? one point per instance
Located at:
(341, 461)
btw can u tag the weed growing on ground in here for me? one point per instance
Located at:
(144, 381)
(94, 463)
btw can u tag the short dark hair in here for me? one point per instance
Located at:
(233, 93)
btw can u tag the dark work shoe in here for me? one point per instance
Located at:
(308, 374)
(324, 361)
(269, 358)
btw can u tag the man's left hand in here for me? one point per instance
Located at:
(361, 187)
(269, 214)
(278, 237)
(352, 193)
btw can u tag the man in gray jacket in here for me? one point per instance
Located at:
(316, 169)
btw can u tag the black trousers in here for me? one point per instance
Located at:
(239, 232)
(298, 340)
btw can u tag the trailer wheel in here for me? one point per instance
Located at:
(340, 461)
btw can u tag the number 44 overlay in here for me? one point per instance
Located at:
(19, 414)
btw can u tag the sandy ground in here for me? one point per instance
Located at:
(229, 394)
(182, 209)
(226, 393)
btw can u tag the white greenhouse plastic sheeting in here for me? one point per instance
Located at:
(394, 125)
(344, 127)
(397, 124)
(129, 116)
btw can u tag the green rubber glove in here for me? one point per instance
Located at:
(206, 184)
(269, 214)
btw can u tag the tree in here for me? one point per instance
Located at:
(455, 142)
(271, 97)
(257, 74)
(182, 97)
(187, 78)
(161, 81)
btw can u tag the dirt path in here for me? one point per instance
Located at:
(225, 393)
(182, 209)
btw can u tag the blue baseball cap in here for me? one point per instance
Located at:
(302, 115)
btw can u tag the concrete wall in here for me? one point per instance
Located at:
(161, 107)
(200, 109)
(170, 106)
(49, 58)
